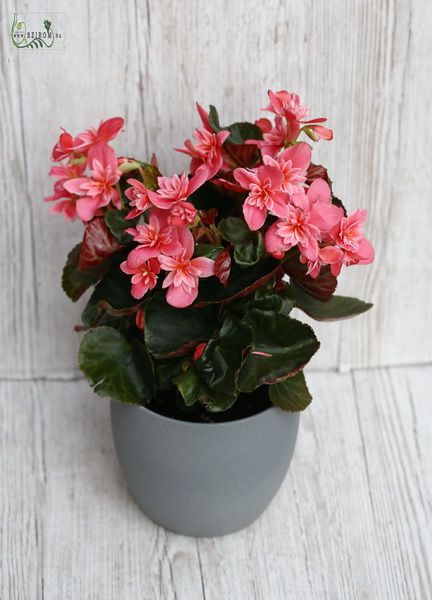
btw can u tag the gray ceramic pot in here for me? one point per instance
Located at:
(203, 479)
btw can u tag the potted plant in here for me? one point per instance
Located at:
(188, 327)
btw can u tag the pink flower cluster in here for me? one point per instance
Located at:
(288, 123)
(306, 216)
(271, 177)
(163, 245)
(76, 194)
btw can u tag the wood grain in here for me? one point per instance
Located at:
(352, 519)
(363, 64)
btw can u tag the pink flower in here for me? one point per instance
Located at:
(153, 238)
(139, 198)
(66, 202)
(98, 190)
(107, 131)
(207, 152)
(354, 247)
(171, 190)
(173, 193)
(328, 255)
(184, 272)
(349, 231)
(286, 105)
(274, 138)
(144, 276)
(174, 190)
(182, 214)
(66, 206)
(265, 194)
(345, 245)
(64, 147)
(293, 163)
(310, 217)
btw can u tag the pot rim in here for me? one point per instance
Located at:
(180, 422)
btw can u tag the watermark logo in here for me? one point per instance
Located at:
(38, 30)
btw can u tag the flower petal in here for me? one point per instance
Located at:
(74, 185)
(319, 191)
(300, 155)
(187, 241)
(109, 129)
(179, 297)
(245, 177)
(325, 216)
(280, 205)
(87, 207)
(255, 217)
(140, 254)
(204, 265)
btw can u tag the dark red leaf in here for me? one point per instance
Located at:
(241, 155)
(317, 172)
(209, 216)
(322, 287)
(98, 244)
(223, 266)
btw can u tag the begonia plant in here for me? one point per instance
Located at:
(195, 275)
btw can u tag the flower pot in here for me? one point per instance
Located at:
(203, 479)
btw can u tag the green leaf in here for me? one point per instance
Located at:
(117, 367)
(189, 386)
(291, 394)
(76, 281)
(208, 250)
(235, 230)
(264, 298)
(214, 119)
(281, 346)
(193, 389)
(338, 307)
(239, 132)
(251, 252)
(112, 294)
(248, 245)
(116, 222)
(219, 363)
(166, 371)
(176, 331)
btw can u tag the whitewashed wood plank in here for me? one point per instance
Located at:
(19, 302)
(22, 484)
(395, 419)
(390, 61)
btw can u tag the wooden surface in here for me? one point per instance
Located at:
(363, 63)
(351, 521)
